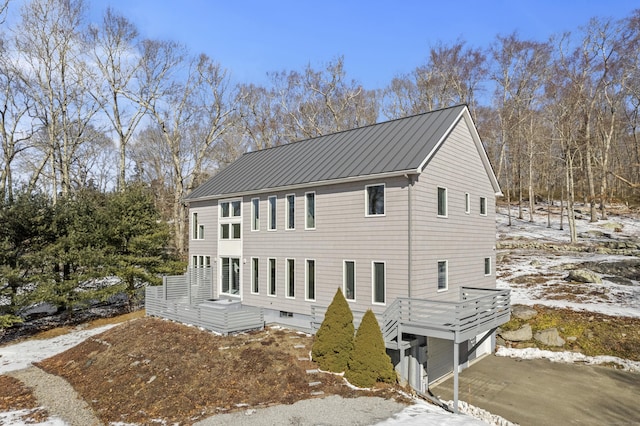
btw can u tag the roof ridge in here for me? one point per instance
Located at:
(356, 128)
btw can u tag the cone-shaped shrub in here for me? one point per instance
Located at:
(334, 339)
(369, 362)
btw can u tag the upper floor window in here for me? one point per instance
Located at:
(255, 214)
(467, 203)
(291, 211)
(231, 209)
(197, 232)
(375, 200)
(487, 266)
(443, 275)
(442, 202)
(310, 210)
(272, 213)
(483, 206)
(230, 231)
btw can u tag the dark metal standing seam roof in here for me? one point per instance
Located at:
(393, 146)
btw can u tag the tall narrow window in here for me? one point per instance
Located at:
(443, 279)
(235, 208)
(375, 200)
(291, 211)
(194, 223)
(350, 279)
(483, 206)
(379, 290)
(487, 266)
(272, 277)
(224, 231)
(272, 213)
(442, 201)
(255, 275)
(310, 210)
(310, 275)
(255, 214)
(236, 230)
(467, 203)
(224, 209)
(291, 278)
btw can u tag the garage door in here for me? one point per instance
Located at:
(439, 358)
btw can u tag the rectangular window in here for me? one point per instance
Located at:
(224, 209)
(442, 202)
(235, 208)
(291, 278)
(224, 231)
(255, 214)
(310, 210)
(483, 206)
(487, 266)
(291, 211)
(375, 200)
(236, 231)
(230, 279)
(310, 276)
(255, 275)
(467, 203)
(194, 261)
(443, 279)
(272, 213)
(378, 281)
(349, 279)
(272, 277)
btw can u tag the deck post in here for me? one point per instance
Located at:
(456, 354)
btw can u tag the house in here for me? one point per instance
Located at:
(399, 215)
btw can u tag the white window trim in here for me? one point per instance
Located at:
(253, 283)
(270, 214)
(253, 213)
(287, 278)
(373, 283)
(315, 210)
(490, 266)
(230, 201)
(196, 227)
(485, 206)
(275, 293)
(230, 284)
(446, 201)
(366, 200)
(286, 225)
(344, 279)
(467, 203)
(446, 275)
(306, 280)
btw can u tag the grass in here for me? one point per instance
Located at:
(596, 334)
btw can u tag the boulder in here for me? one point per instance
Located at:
(583, 276)
(522, 334)
(524, 313)
(549, 337)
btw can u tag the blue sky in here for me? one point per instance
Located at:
(377, 39)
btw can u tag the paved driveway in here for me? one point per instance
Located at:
(540, 392)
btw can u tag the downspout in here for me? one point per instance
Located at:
(410, 233)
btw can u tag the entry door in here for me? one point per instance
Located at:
(230, 276)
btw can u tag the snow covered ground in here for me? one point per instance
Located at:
(616, 300)
(608, 298)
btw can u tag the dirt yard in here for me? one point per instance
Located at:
(148, 370)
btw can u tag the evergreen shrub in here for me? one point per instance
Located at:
(334, 340)
(369, 362)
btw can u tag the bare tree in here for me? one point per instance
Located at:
(52, 56)
(315, 103)
(115, 55)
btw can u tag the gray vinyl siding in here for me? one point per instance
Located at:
(462, 239)
(342, 233)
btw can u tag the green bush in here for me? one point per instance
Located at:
(334, 339)
(369, 362)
